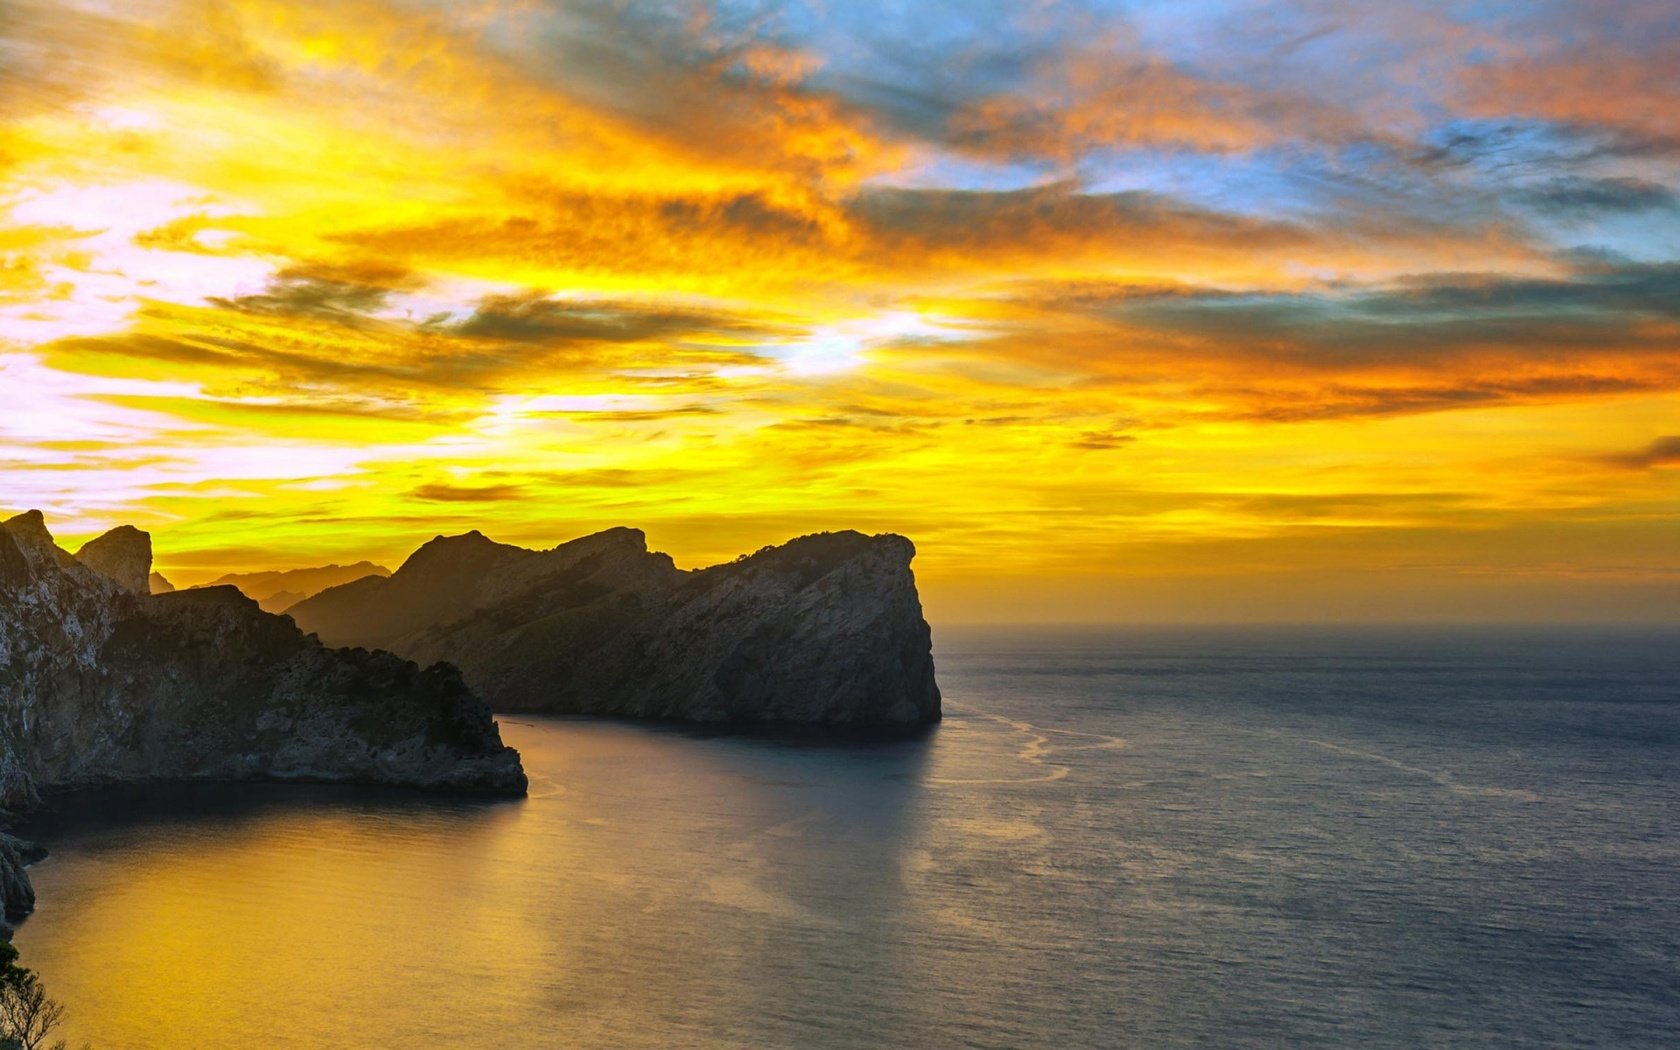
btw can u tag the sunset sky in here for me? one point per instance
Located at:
(1122, 311)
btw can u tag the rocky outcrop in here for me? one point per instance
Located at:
(17, 895)
(827, 629)
(99, 683)
(124, 554)
(158, 583)
(29, 531)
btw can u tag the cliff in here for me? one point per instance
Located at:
(826, 629)
(100, 682)
(124, 555)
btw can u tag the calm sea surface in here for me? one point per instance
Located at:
(1157, 838)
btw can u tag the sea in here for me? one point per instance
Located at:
(1118, 837)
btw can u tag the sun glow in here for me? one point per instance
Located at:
(1120, 334)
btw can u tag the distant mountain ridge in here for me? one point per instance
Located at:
(825, 629)
(277, 590)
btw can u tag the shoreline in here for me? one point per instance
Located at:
(18, 854)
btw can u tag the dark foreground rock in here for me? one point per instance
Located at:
(17, 896)
(100, 683)
(826, 629)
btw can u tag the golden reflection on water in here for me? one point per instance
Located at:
(654, 887)
(301, 914)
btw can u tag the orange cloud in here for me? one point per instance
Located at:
(297, 282)
(1595, 85)
(1108, 95)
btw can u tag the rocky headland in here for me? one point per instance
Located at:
(826, 629)
(101, 681)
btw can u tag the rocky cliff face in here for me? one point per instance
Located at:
(825, 629)
(100, 682)
(124, 555)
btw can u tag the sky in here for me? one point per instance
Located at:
(1180, 311)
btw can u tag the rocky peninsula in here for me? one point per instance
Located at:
(826, 629)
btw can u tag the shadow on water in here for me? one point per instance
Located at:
(771, 733)
(755, 864)
(86, 816)
(87, 812)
